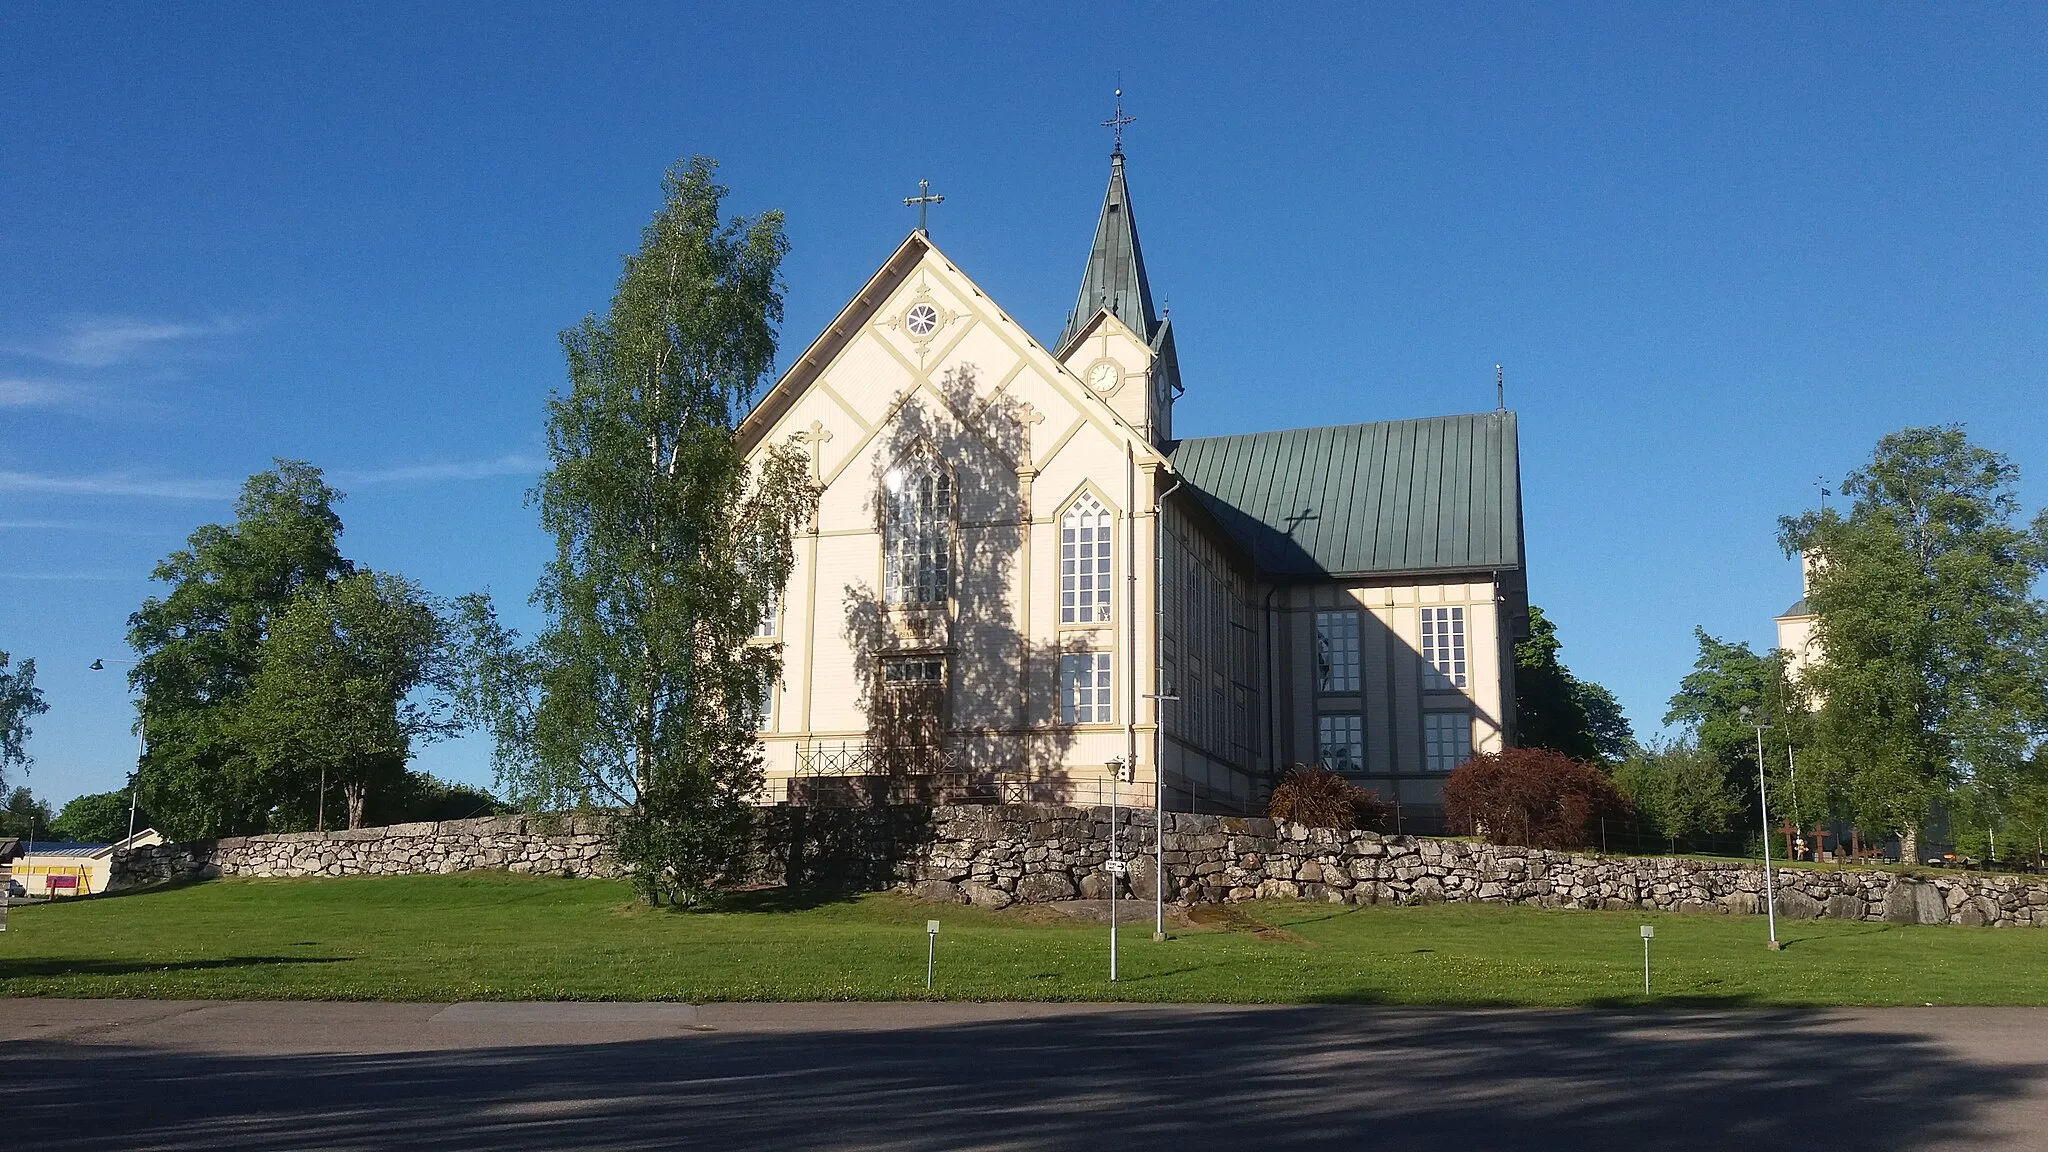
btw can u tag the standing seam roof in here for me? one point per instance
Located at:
(1396, 496)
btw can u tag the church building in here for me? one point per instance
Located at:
(1021, 584)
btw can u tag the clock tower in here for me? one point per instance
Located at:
(1114, 340)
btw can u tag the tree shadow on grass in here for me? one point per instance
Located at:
(49, 967)
(1324, 1076)
(780, 898)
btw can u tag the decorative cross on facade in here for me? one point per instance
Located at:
(924, 199)
(815, 438)
(1116, 123)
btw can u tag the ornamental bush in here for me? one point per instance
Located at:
(1530, 796)
(1321, 798)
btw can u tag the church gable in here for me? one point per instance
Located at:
(922, 336)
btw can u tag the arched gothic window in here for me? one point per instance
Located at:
(917, 533)
(1084, 562)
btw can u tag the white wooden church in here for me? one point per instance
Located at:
(1015, 559)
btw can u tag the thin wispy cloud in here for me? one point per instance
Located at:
(98, 577)
(511, 464)
(122, 484)
(107, 341)
(19, 393)
(86, 526)
(115, 484)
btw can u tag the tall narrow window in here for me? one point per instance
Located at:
(917, 533)
(1443, 647)
(770, 617)
(1340, 741)
(1084, 688)
(1084, 562)
(1337, 651)
(1446, 740)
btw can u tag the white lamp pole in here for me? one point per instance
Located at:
(1763, 795)
(141, 748)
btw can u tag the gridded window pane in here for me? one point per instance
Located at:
(915, 672)
(769, 617)
(917, 535)
(1340, 742)
(1337, 651)
(1446, 740)
(1443, 647)
(1084, 688)
(1084, 562)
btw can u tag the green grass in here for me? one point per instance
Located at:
(500, 937)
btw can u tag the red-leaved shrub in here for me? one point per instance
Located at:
(1320, 798)
(1530, 796)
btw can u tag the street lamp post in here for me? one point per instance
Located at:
(1763, 796)
(141, 749)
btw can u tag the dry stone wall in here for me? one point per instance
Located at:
(551, 845)
(994, 856)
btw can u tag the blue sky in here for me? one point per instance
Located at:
(1719, 250)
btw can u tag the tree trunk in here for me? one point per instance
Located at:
(1909, 845)
(355, 791)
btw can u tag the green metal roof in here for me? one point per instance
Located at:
(1358, 499)
(1799, 608)
(1115, 276)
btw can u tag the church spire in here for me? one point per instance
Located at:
(1115, 276)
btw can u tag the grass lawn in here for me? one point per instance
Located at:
(489, 936)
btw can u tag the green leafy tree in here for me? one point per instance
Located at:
(644, 693)
(1681, 789)
(20, 702)
(24, 816)
(1730, 690)
(201, 645)
(98, 818)
(1556, 710)
(425, 797)
(1931, 645)
(2023, 822)
(352, 675)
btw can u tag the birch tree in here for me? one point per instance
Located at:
(644, 691)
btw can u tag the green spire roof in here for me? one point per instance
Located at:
(1115, 277)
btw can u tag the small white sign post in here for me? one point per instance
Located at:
(931, 951)
(1648, 932)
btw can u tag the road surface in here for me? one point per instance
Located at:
(99, 1074)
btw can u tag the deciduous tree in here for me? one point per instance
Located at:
(201, 645)
(98, 818)
(1730, 690)
(1556, 710)
(353, 675)
(1681, 789)
(1931, 646)
(644, 693)
(22, 815)
(20, 702)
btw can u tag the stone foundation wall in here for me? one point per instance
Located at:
(994, 856)
(552, 845)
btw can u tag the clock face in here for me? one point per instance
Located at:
(1104, 375)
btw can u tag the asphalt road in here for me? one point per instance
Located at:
(181, 1075)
